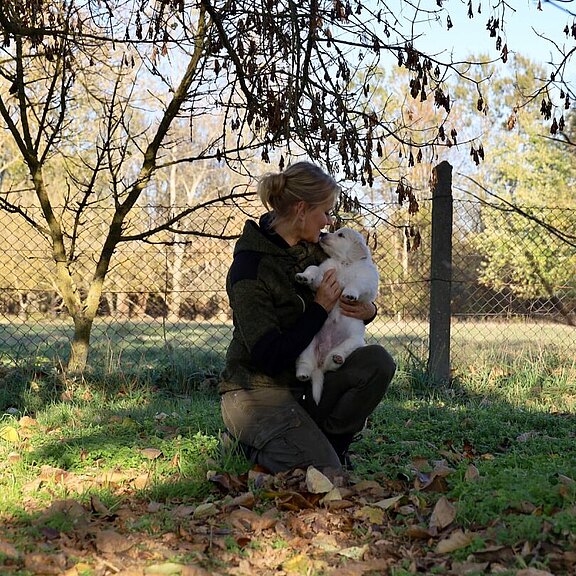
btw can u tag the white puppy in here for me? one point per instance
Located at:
(340, 335)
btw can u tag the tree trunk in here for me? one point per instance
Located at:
(80, 345)
(83, 310)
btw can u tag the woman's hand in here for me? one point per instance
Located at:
(329, 291)
(354, 309)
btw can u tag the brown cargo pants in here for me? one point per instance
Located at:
(282, 431)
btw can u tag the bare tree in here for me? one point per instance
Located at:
(287, 78)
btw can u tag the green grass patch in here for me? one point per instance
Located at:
(143, 436)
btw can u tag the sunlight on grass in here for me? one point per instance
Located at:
(150, 430)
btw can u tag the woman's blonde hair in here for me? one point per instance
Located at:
(301, 181)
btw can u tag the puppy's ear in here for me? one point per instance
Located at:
(359, 247)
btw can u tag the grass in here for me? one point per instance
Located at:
(150, 438)
(162, 350)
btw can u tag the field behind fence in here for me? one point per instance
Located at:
(166, 301)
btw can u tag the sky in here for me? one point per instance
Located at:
(470, 34)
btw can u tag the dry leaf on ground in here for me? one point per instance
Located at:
(455, 541)
(443, 514)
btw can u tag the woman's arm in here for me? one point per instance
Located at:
(274, 348)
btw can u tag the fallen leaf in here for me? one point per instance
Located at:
(225, 481)
(183, 511)
(45, 563)
(191, 570)
(495, 554)
(109, 541)
(359, 568)
(299, 563)
(243, 541)
(154, 507)
(27, 422)
(456, 541)
(9, 433)
(417, 532)
(334, 494)
(79, 569)
(420, 463)
(406, 510)
(369, 486)
(8, 550)
(244, 519)
(51, 473)
(205, 510)
(98, 507)
(289, 500)
(388, 503)
(246, 500)
(436, 480)
(141, 481)
(372, 514)
(471, 473)
(267, 520)
(316, 482)
(258, 477)
(114, 477)
(354, 552)
(533, 572)
(442, 469)
(566, 480)
(326, 542)
(166, 569)
(469, 568)
(443, 514)
(151, 453)
(339, 504)
(14, 457)
(70, 509)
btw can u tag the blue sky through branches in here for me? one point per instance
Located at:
(528, 30)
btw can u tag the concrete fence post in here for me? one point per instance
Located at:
(440, 275)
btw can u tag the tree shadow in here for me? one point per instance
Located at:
(414, 422)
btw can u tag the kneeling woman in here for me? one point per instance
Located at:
(263, 404)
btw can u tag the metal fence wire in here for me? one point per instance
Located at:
(513, 285)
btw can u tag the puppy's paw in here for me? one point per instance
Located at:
(333, 362)
(303, 279)
(349, 296)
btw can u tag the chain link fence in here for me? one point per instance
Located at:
(514, 287)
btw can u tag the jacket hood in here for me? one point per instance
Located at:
(261, 238)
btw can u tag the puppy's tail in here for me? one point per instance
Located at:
(317, 378)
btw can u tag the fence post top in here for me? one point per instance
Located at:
(444, 165)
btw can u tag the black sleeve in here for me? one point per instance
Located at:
(366, 322)
(272, 349)
(277, 351)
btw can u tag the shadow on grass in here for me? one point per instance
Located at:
(168, 426)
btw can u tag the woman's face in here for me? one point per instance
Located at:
(315, 219)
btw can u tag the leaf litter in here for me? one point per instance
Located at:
(300, 522)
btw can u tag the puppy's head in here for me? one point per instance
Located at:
(345, 245)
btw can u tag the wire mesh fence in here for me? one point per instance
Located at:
(514, 287)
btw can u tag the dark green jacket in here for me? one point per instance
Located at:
(274, 317)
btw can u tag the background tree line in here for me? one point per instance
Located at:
(113, 109)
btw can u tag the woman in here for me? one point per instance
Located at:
(264, 406)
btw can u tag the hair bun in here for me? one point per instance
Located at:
(270, 188)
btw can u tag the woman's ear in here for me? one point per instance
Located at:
(301, 208)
